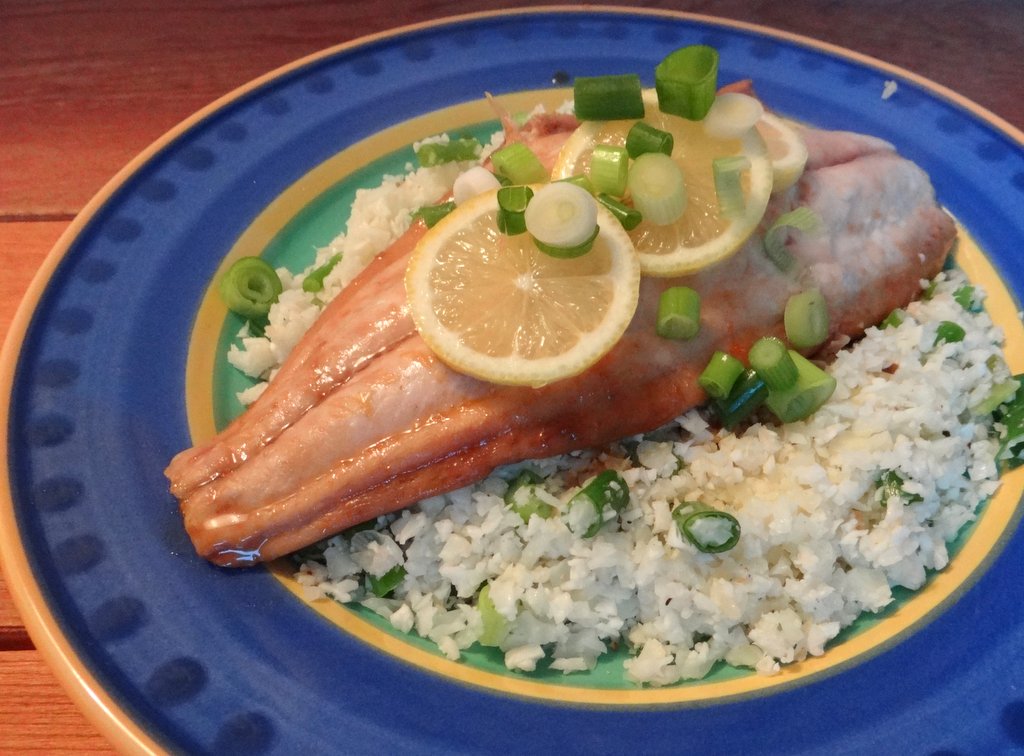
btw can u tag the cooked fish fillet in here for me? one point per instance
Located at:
(363, 419)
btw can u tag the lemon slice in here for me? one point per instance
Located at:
(702, 236)
(497, 308)
(786, 150)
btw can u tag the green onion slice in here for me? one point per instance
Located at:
(967, 297)
(1001, 393)
(732, 115)
(431, 214)
(711, 531)
(728, 172)
(385, 584)
(678, 313)
(893, 320)
(806, 319)
(607, 98)
(562, 219)
(812, 388)
(607, 490)
(949, 332)
(801, 219)
(580, 180)
(747, 395)
(658, 189)
(609, 167)
(643, 138)
(437, 153)
(890, 485)
(720, 374)
(314, 282)
(628, 217)
(495, 626)
(512, 204)
(518, 163)
(523, 497)
(249, 287)
(1010, 416)
(472, 182)
(770, 358)
(686, 81)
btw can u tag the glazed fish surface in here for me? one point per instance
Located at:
(363, 419)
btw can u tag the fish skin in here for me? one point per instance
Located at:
(403, 426)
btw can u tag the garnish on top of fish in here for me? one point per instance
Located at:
(367, 416)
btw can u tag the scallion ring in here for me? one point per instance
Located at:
(678, 313)
(806, 319)
(658, 189)
(249, 287)
(686, 81)
(607, 98)
(562, 219)
(720, 374)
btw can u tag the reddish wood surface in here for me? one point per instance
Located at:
(85, 86)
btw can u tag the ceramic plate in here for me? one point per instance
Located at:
(166, 652)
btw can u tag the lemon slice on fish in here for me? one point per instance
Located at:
(786, 150)
(496, 307)
(703, 235)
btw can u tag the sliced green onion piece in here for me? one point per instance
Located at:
(929, 290)
(643, 138)
(720, 374)
(609, 167)
(580, 180)
(686, 81)
(518, 163)
(1011, 438)
(607, 98)
(802, 219)
(657, 187)
(607, 489)
(748, 393)
(728, 188)
(472, 182)
(732, 115)
(770, 358)
(812, 388)
(522, 496)
(965, 297)
(314, 282)
(431, 214)
(249, 287)
(562, 218)
(384, 585)
(436, 153)
(893, 320)
(628, 217)
(1001, 393)
(806, 319)
(678, 313)
(890, 485)
(949, 332)
(495, 626)
(512, 204)
(709, 530)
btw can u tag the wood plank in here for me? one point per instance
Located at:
(85, 87)
(23, 246)
(36, 715)
(13, 636)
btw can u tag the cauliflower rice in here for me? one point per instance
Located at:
(818, 545)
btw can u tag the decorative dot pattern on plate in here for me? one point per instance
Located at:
(176, 681)
(245, 734)
(57, 494)
(78, 554)
(117, 618)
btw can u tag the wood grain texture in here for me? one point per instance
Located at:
(85, 85)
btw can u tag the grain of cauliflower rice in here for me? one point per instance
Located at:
(818, 547)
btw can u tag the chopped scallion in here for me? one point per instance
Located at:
(965, 296)
(512, 204)
(770, 358)
(562, 218)
(1002, 392)
(249, 287)
(518, 163)
(748, 393)
(522, 496)
(437, 153)
(678, 313)
(431, 214)
(1010, 416)
(732, 115)
(686, 81)
(728, 188)
(891, 485)
(643, 138)
(314, 282)
(494, 625)
(949, 332)
(720, 374)
(580, 180)
(893, 320)
(628, 217)
(609, 167)
(607, 98)
(806, 319)
(801, 219)
(657, 187)
(385, 584)
(710, 531)
(607, 490)
(472, 182)
(812, 388)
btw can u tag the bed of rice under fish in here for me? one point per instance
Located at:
(818, 544)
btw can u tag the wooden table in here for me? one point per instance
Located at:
(84, 86)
